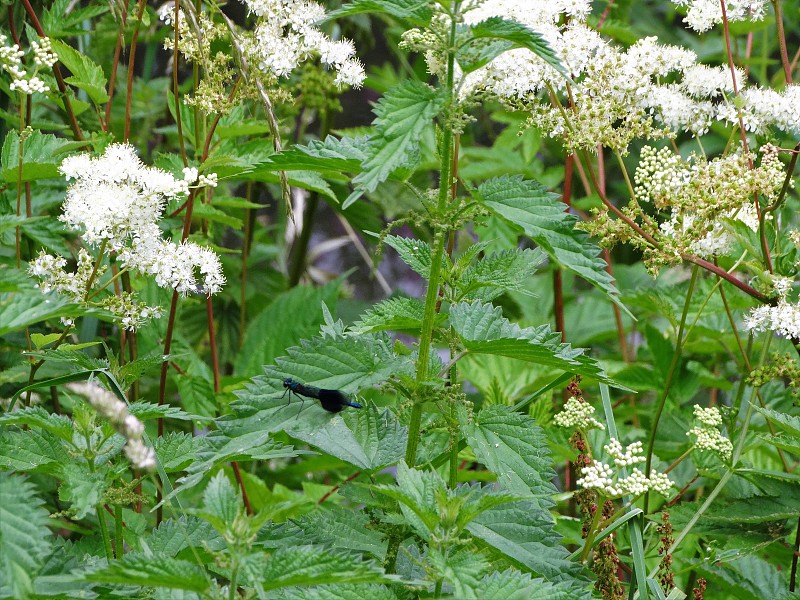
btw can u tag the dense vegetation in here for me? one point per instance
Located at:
(494, 301)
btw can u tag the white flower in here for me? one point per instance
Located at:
(577, 413)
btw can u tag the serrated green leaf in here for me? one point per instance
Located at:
(484, 330)
(519, 36)
(81, 487)
(173, 536)
(50, 233)
(156, 570)
(513, 447)
(498, 273)
(415, 12)
(308, 566)
(176, 450)
(38, 417)
(145, 411)
(394, 314)
(787, 423)
(402, 115)
(42, 153)
(415, 253)
(523, 531)
(222, 504)
(513, 585)
(197, 395)
(332, 156)
(86, 75)
(343, 529)
(368, 438)
(340, 592)
(541, 215)
(25, 540)
(33, 450)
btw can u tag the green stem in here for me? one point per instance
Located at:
(668, 383)
(118, 531)
(104, 532)
(592, 529)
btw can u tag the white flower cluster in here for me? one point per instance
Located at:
(621, 94)
(577, 414)
(11, 63)
(783, 319)
(116, 202)
(706, 433)
(602, 477)
(702, 15)
(116, 411)
(286, 35)
(702, 194)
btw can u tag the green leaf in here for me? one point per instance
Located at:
(343, 529)
(394, 314)
(368, 438)
(513, 585)
(146, 411)
(340, 592)
(484, 330)
(197, 395)
(152, 570)
(541, 215)
(32, 450)
(519, 36)
(308, 566)
(523, 531)
(86, 75)
(222, 503)
(176, 450)
(173, 536)
(293, 315)
(37, 417)
(81, 487)
(513, 447)
(25, 540)
(402, 115)
(787, 423)
(41, 156)
(415, 253)
(333, 156)
(415, 12)
(498, 273)
(217, 448)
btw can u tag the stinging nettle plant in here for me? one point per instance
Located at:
(148, 445)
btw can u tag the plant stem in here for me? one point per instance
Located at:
(119, 546)
(668, 382)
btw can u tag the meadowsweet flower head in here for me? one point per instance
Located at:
(706, 433)
(613, 483)
(702, 15)
(577, 413)
(21, 79)
(286, 35)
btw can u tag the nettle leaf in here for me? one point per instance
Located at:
(217, 448)
(513, 585)
(402, 115)
(341, 592)
(483, 330)
(176, 450)
(342, 529)
(146, 411)
(222, 503)
(541, 215)
(25, 540)
(310, 566)
(424, 497)
(152, 570)
(333, 156)
(524, 532)
(415, 253)
(33, 450)
(462, 568)
(787, 423)
(175, 535)
(394, 314)
(37, 417)
(86, 75)
(82, 487)
(415, 12)
(498, 273)
(516, 35)
(368, 438)
(42, 154)
(513, 447)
